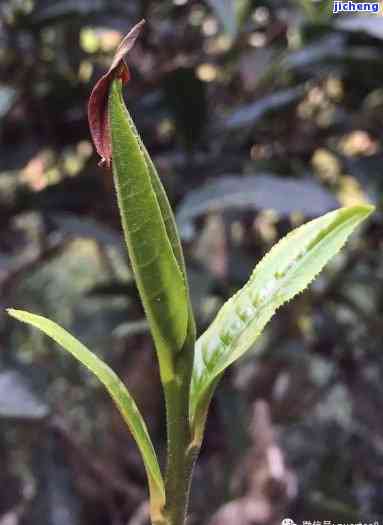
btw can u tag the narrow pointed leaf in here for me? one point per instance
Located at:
(283, 273)
(167, 214)
(169, 222)
(162, 199)
(117, 391)
(172, 232)
(160, 280)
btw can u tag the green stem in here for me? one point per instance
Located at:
(180, 459)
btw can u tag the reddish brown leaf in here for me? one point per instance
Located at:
(98, 101)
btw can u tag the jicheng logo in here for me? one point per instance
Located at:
(356, 7)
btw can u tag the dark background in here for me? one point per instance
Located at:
(259, 115)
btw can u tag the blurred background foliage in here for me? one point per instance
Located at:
(260, 114)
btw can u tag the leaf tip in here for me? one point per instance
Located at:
(362, 210)
(16, 314)
(97, 105)
(368, 208)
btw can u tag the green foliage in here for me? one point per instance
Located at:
(158, 274)
(117, 391)
(283, 273)
(190, 371)
(157, 260)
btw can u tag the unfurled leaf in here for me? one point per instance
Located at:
(150, 235)
(117, 391)
(98, 101)
(283, 273)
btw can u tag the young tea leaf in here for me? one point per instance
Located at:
(284, 272)
(166, 211)
(117, 391)
(160, 279)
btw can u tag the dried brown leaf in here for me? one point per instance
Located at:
(98, 101)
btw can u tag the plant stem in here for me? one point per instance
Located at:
(180, 459)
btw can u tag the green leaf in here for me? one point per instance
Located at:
(283, 273)
(168, 218)
(167, 214)
(172, 232)
(156, 261)
(117, 391)
(162, 198)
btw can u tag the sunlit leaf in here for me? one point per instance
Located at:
(117, 391)
(283, 273)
